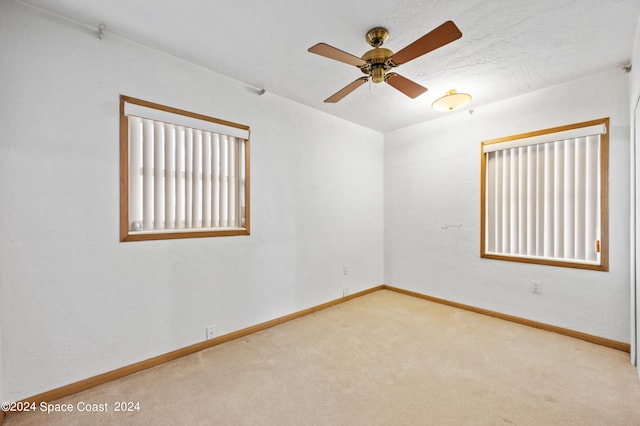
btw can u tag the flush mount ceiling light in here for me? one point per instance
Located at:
(451, 100)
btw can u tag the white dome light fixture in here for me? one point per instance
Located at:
(451, 100)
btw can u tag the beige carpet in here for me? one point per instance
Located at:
(381, 359)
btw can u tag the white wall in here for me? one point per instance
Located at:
(634, 91)
(75, 301)
(1, 360)
(432, 178)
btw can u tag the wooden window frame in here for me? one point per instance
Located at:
(604, 200)
(125, 234)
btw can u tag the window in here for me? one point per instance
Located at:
(182, 174)
(545, 196)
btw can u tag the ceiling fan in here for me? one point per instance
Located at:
(376, 62)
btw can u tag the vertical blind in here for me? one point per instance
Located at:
(184, 178)
(543, 199)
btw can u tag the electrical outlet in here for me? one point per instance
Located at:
(345, 292)
(345, 270)
(211, 332)
(536, 287)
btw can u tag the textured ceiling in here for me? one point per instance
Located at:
(508, 47)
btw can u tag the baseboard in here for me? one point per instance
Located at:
(625, 347)
(109, 376)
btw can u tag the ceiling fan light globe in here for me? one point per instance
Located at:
(377, 74)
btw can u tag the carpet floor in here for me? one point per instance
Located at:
(381, 359)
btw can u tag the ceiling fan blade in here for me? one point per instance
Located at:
(444, 34)
(406, 86)
(331, 52)
(346, 90)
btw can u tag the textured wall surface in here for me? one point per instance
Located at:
(634, 106)
(432, 178)
(75, 301)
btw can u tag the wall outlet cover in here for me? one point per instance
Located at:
(211, 332)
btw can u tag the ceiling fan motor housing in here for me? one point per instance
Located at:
(377, 63)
